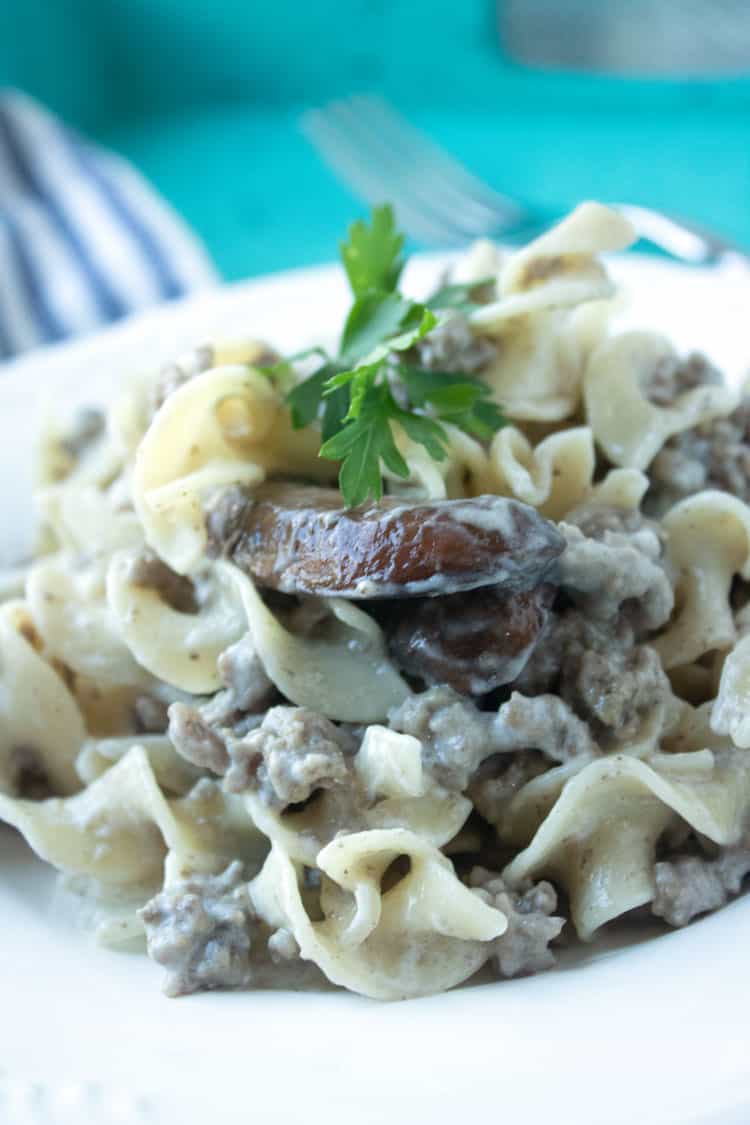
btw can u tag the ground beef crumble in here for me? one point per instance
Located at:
(689, 885)
(532, 923)
(293, 753)
(614, 560)
(673, 376)
(542, 722)
(616, 690)
(247, 688)
(590, 653)
(452, 346)
(201, 931)
(455, 735)
(195, 740)
(715, 454)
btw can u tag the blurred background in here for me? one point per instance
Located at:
(647, 101)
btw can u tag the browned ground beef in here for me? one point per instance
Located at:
(532, 924)
(715, 454)
(454, 347)
(545, 723)
(689, 885)
(455, 735)
(674, 376)
(292, 753)
(201, 931)
(195, 739)
(498, 780)
(614, 561)
(615, 690)
(247, 688)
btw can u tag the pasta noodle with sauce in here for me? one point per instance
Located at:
(275, 734)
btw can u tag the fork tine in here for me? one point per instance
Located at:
(467, 187)
(345, 157)
(408, 179)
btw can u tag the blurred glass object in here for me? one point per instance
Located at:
(640, 37)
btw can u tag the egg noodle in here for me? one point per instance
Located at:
(265, 785)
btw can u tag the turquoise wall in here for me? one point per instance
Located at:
(204, 97)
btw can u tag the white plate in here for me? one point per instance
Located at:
(652, 1033)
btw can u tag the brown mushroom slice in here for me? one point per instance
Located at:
(475, 642)
(300, 540)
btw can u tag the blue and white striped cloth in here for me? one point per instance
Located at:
(84, 240)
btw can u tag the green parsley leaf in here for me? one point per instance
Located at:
(372, 318)
(426, 431)
(459, 296)
(363, 443)
(414, 323)
(484, 420)
(273, 370)
(461, 399)
(335, 410)
(372, 255)
(352, 394)
(304, 399)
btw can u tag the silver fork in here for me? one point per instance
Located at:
(439, 202)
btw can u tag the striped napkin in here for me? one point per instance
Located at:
(84, 239)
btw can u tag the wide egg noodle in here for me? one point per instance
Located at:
(731, 710)
(84, 520)
(98, 464)
(180, 648)
(124, 833)
(39, 718)
(174, 774)
(130, 413)
(543, 344)
(226, 426)
(537, 373)
(117, 829)
(554, 477)
(560, 268)
(343, 671)
(627, 426)
(464, 471)
(599, 837)
(67, 600)
(423, 935)
(708, 543)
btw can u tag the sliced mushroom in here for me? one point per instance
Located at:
(475, 642)
(300, 540)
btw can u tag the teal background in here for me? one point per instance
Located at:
(204, 96)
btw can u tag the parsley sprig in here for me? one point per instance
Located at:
(367, 388)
